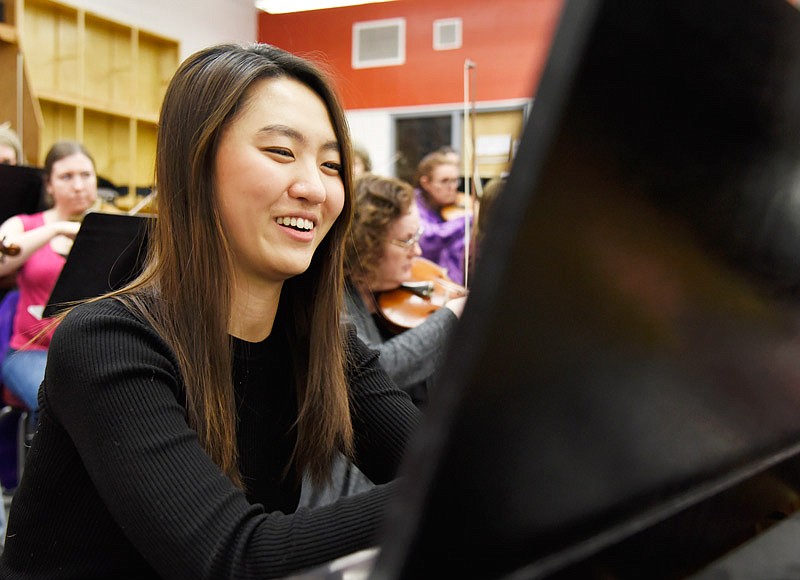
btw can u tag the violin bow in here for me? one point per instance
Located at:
(470, 170)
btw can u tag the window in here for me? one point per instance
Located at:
(415, 137)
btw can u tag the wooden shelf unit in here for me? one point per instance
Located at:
(97, 81)
(17, 102)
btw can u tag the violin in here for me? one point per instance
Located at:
(462, 206)
(428, 290)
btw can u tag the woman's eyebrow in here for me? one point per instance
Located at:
(284, 130)
(331, 146)
(295, 135)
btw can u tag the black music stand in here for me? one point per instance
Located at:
(627, 363)
(20, 190)
(108, 251)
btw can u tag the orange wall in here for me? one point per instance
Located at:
(507, 39)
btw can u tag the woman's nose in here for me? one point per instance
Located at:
(78, 183)
(308, 185)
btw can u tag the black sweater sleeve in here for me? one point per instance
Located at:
(114, 387)
(382, 414)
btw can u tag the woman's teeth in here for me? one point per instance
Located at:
(297, 223)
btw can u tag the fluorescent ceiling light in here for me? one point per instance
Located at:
(286, 6)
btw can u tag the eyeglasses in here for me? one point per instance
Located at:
(407, 244)
(447, 181)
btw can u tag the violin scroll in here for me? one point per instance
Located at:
(8, 249)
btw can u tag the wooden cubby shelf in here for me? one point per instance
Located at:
(91, 79)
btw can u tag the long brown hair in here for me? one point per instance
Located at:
(180, 293)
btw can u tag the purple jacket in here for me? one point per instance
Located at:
(442, 241)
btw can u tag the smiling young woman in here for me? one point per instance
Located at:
(180, 414)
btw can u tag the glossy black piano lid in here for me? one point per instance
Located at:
(630, 346)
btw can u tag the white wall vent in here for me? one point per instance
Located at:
(447, 34)
(379, 43)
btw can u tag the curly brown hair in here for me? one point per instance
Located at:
(379, 201)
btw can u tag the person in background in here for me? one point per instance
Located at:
(10, 154)
(362, 163)
(442, 240)
(180, 413)
(44, 240)
(384, 241)
(454, 157)
(10, 146)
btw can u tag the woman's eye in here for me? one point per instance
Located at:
(279, 151)
(337, 167)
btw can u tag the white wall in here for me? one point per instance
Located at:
(373, 130)
(195, 23)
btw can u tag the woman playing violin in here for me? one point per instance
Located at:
(385, 239)
(437, 188)
(44, 239)
(379, 257)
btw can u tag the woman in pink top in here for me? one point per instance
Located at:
(45, 240)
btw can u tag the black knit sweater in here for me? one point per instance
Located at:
(117, 486)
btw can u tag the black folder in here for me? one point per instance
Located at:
(20, 190)
(108, 252)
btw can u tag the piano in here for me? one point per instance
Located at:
(622, 397)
